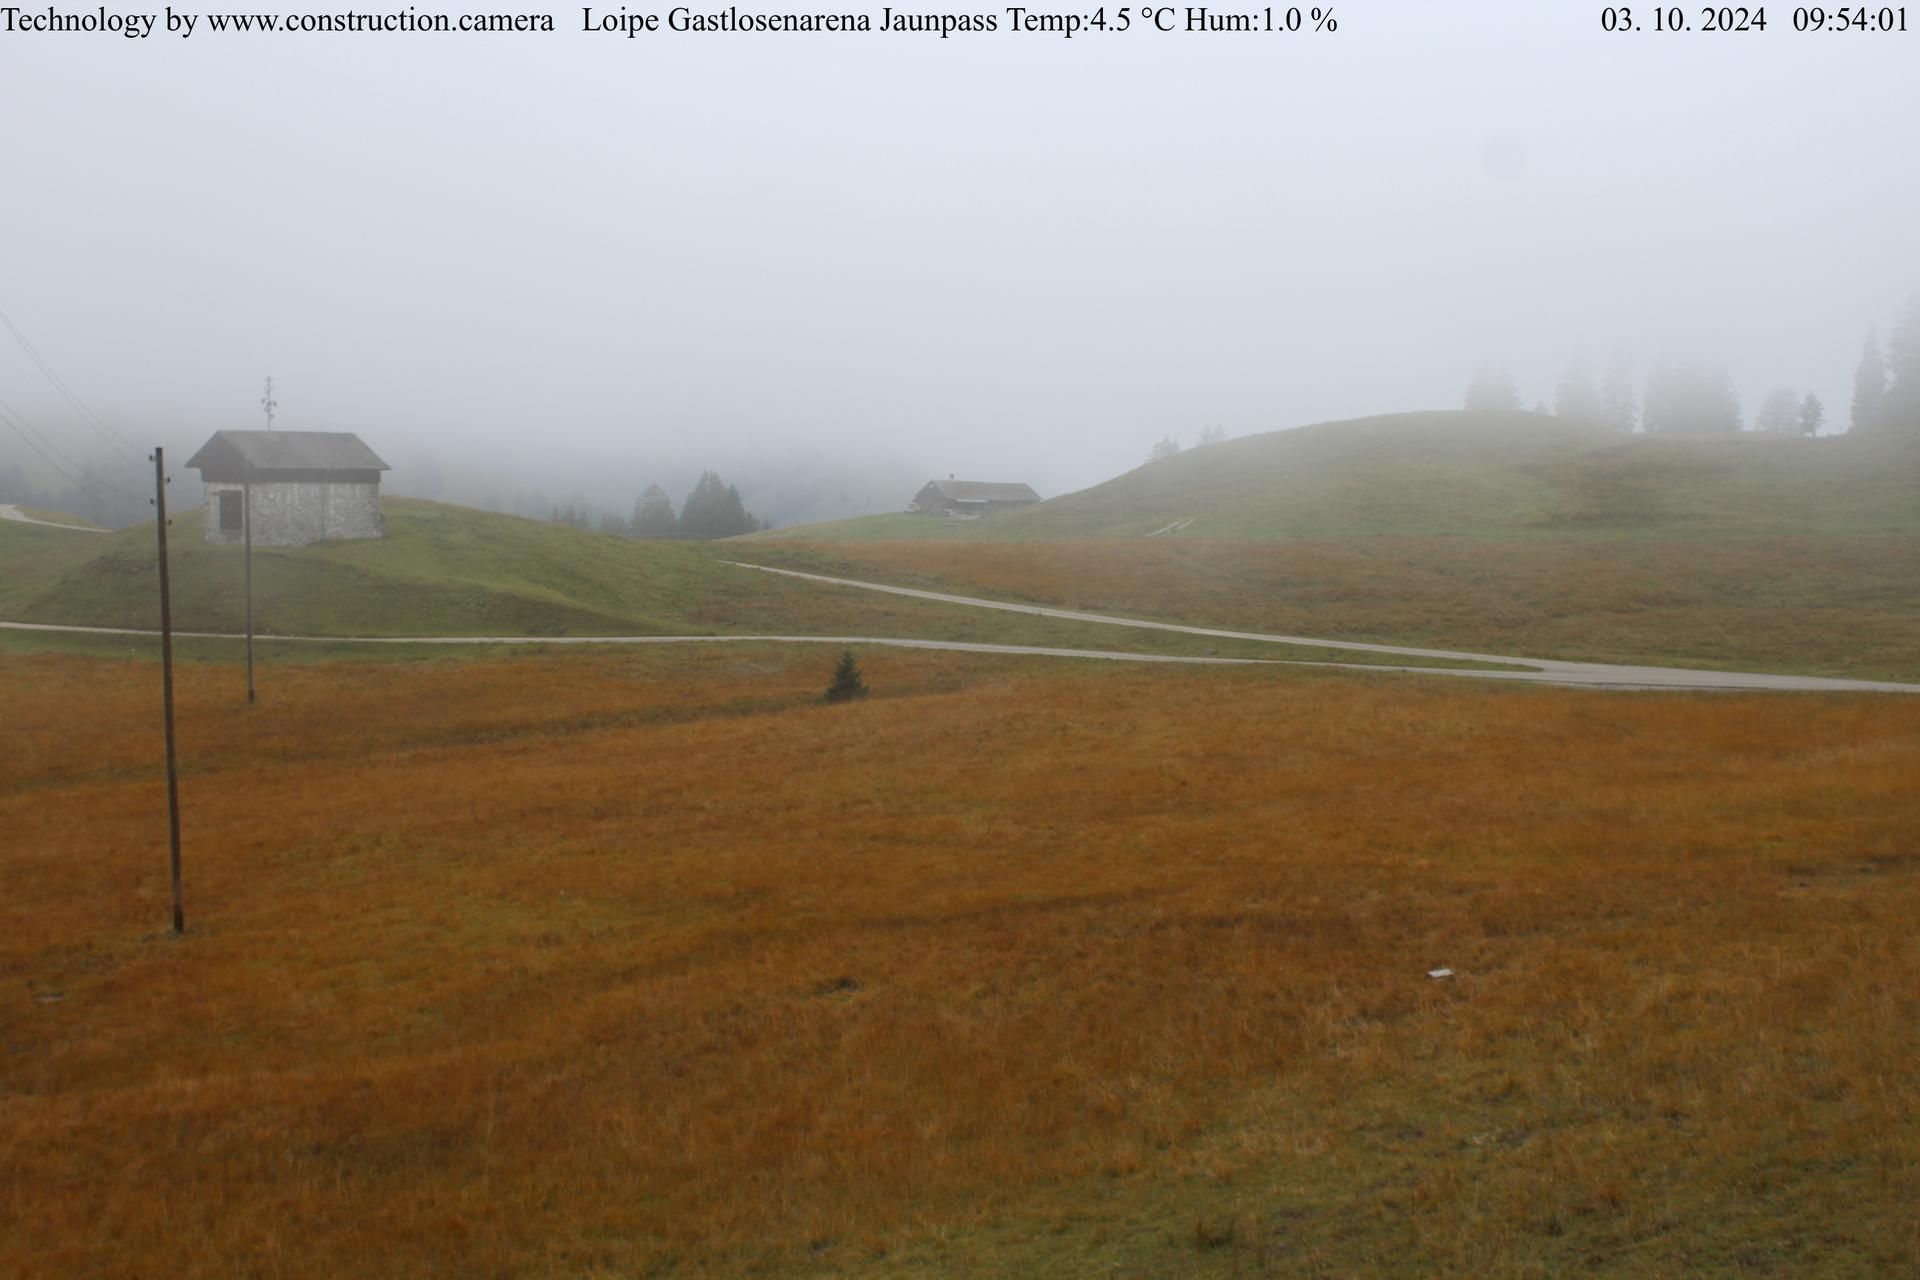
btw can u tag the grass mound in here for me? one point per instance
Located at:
(441, 570)
(451, 571)
(1461, 474)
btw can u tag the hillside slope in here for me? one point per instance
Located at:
(33, 554)
(440, 570)
(452, 571)
(1460, 474)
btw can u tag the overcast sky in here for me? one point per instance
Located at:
(1007, 256)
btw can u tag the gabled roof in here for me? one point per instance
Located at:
(985, 491)
(288, 451)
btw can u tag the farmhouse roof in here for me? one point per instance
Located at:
(985, 491)
(288, 451)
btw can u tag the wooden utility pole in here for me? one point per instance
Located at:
(246, 521)
(166, 684)
(268, 403)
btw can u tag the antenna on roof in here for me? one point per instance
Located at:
(268, 403)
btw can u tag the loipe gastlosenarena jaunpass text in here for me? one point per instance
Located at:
(733, 19)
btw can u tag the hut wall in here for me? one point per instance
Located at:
(294, 514)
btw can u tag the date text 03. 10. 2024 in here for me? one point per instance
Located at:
(1621, 18)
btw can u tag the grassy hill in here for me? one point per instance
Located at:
(441, 571)
(1507, 533)
(1501, 534)
(445, 570)
(31, 555)
(1460, 474)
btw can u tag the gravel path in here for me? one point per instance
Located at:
(1545, 670)
(10, 512)
(1596, 675)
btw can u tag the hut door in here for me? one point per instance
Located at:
(229, 511)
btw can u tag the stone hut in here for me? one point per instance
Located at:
(970, 498)
(308, 486)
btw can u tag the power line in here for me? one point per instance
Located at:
(13, 416)
(87, 415)
(25, 430)
(91, 418)
(18, 417)
(64, 474)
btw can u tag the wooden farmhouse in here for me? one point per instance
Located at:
(970, 498)
(307, 486)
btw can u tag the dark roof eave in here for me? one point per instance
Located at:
(288, 451)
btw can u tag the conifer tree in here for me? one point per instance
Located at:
(1899, 412)
(1690, 400)
(1576, 398)
(1903, 348)
(1869, 385)
(1618, 410)
(1779, 413)
(652, 514)
(1812, 415)
(737, 515)
(714, 510)
(847, 682)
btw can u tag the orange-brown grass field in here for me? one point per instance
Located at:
(1843, 606)
(619, 964)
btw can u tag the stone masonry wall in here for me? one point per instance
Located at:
(293, 515)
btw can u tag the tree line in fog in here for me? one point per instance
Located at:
(1694, 398)
(712, 510)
